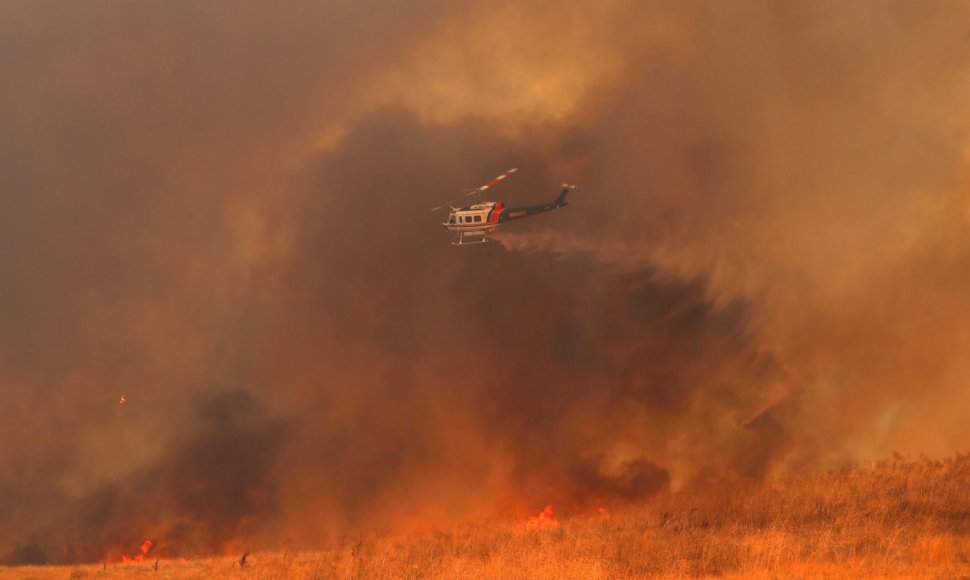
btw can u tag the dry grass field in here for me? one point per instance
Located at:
(892, 519)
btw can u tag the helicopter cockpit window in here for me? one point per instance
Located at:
(451, 219)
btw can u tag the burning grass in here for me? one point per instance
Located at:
(894, 518)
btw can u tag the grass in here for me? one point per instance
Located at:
(892, 519)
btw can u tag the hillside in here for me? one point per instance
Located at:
(893, 518)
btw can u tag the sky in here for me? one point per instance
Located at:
(221, 212)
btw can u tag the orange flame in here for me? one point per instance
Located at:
(544, 520)
(143, 550)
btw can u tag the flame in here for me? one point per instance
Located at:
(544, 520)
(604, 513)
(143, 550)
(122, 400)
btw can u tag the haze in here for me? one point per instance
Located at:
(220, 210)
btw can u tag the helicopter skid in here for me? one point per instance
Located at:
(477, 237)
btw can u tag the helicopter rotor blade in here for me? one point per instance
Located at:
(496, 180)
(448, 204)
(478, 190)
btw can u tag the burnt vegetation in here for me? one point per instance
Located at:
(896, 517)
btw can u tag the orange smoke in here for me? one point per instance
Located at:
(773, 234)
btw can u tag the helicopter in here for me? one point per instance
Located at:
(473, 223)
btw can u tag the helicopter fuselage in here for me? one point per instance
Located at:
(484, 216)
(474, 222)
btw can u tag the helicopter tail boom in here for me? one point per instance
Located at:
(515, 213)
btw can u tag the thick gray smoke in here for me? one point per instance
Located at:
(221, 212)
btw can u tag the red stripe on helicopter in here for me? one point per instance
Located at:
(495, 213)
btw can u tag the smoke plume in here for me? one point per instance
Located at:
(221, 212)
